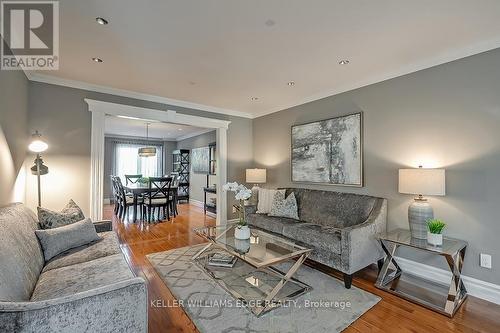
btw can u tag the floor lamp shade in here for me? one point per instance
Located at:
(421, 182)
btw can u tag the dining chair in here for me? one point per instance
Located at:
(158, 197)
(124, 200)
(132, 179)
(114, 191)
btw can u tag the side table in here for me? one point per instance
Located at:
(435, 296)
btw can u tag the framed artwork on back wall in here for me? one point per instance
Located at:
(329, 151)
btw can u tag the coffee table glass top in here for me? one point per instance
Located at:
(403, 237)
(261, 250)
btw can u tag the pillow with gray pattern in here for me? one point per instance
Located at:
(284, 207)
(49, 219)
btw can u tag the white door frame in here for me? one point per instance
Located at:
(100, 109)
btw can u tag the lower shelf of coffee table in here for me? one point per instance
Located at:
(252, 286)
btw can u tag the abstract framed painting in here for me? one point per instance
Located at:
(329, 151)
(200, 160)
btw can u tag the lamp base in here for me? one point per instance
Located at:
(418, 214)
(255, 194)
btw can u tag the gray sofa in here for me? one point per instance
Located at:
(340, 227)
(86, 289)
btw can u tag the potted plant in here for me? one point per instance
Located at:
(435, 233)
(242, 193)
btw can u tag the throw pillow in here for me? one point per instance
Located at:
(266, 198)
(57, 240)
(70, 214)
(285, 207)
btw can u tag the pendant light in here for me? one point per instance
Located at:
(147, 151)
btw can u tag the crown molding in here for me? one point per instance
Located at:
(37, 77)
(440, 59)
(404, 70)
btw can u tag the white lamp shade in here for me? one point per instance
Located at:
(256, 176)
(422, 181)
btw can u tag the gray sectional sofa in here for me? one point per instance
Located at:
(340, 227)
(86, 289)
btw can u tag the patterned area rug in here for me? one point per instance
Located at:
(329, 307)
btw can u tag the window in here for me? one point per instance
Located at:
(128, 162)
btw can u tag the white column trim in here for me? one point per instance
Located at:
(221, 176)
(100, 109)
(97, 166)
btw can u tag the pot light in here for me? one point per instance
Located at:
(343, 62)
(101, 21)
(179, 129)
(291, 83)
(99, 60)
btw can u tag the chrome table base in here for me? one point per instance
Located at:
(443, 299)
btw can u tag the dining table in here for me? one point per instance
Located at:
(138, 189)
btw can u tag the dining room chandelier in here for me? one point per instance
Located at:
(147, 151)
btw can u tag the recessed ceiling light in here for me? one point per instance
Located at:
(291, 83)
(179, 129)
(96, 59)
(255, 99)
(343, 62)
(101, 21)
(270, 23)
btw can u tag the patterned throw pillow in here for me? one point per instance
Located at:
(266, 199)
(284, 207)
(49, 219)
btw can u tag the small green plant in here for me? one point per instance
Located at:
(143, 180)
(435, 226)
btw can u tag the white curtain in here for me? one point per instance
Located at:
(128, 162)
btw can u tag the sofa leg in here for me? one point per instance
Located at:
(380, 263)
(347, 280)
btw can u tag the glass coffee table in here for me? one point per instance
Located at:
(254, 280)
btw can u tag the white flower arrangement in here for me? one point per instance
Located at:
(241, 194)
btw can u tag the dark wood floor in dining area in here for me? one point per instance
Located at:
(391, 314)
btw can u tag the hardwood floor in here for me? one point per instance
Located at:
(391, 314)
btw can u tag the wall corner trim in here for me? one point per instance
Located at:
(475, 287)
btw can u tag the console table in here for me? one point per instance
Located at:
(435, 296)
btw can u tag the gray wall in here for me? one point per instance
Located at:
(14, 134)
(197, 181)
(447, 116)
(62, 115)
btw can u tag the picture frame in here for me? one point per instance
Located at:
(328, 151)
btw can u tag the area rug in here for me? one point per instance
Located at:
(328, 307)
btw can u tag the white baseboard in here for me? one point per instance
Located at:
(477, 288)
(196, 202)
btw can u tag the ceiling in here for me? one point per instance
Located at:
(157, 130)
(221, 53)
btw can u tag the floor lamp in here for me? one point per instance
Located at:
(38, 146)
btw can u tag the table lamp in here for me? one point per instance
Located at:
(255, 176)
(38, 146)
(421, 182)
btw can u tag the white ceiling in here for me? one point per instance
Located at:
(221, 53)
(157, 130)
